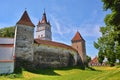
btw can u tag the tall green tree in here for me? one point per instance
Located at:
(88, 58)
(109, 43)
(105, 45)
(114, 20)
(118, 51)
(114, 17)
(7, 32)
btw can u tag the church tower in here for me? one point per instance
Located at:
(44, 29)
(24, 38)
(79, 44)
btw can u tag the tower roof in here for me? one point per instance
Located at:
(77, 37)
(39, 23)
(25, 20)
(44, 18)
(94, 60)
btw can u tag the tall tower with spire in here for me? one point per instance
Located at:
(44, 29)
(79, 44)
(24, 38)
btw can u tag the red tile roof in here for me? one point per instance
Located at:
(51, 43)
(77, 37)
(94, 60)
(25, 20)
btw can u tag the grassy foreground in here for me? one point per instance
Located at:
(100, 73)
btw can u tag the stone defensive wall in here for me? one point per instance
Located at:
(54, 55)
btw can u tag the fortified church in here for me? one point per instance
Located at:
(40, 52)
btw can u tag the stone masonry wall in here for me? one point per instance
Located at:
(24, 42)
(80, 47)
(53, 57)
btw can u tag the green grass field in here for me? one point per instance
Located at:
(98, 73)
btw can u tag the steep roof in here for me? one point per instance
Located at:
(39, 23)
(51, 43)
(77, 37)
(44, 18)
(94, 60)
(25, 20)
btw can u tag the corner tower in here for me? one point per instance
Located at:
(44, 29)
(24, 38)
(79, 44)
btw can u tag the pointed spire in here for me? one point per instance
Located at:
(77, 37)
(44, 10)
(25, 20)
(44, 19)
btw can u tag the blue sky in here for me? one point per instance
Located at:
(65, 16)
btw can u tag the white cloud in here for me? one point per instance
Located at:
(90, 30)
(87, 30)
(57, 29)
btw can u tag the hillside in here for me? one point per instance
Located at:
(98, 73)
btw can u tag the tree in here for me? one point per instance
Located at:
(114, 17)
(100, 57)
(105, 45)
(113, 20)
(118, 51)
(88, 59)
(109, 43)
(7, 32)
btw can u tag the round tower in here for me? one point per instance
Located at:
(79, 44)
(24, 38)
(44, 29)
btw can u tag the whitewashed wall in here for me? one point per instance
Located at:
(6, 53)
(6, 56)
(6, 40)
(6, 67)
